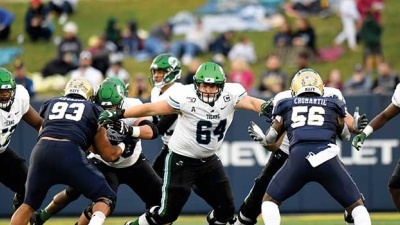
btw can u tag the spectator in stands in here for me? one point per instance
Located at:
(38, 22)
(241, 73)
(113, 32)
(192, 68)
(244, 50)
(85, 69)
(221, 46)
(6, 19)
(101, 50)
(284, 37)
(61, 66)
(371, 33)
(70, 43)
(131, 42)
(335, 79)
(305, 36)
(139, 89)
(302, 60)
(375, 7)
(116, 69)
(63, 8)
(386, 82)
(159, 40)
(359, 83)
(22, 79)
(273, 79)
(349, 15)
(197, 41)
(304, 8)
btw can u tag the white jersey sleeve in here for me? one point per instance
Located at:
(9, 120)
(396, 96)
(156, 95)
(201, 127)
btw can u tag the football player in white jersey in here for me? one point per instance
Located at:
(14, 107)
(128, 169)
(165, 71)
(379, 121)
(205, 111)
(251, 206)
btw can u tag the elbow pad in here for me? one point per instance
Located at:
(271, 136)
(345, 135)
(152, 126)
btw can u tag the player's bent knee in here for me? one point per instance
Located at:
(72, 193)
(108, 201)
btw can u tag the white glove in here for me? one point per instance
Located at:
(257, 134)
(360, 122)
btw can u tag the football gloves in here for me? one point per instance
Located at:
(130, 144)
(113, 115)
(119, 126)
(256, 133)
(358, 141)
(266, 110)
(360, 122)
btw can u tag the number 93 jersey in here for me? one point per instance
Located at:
(10, 120)
(310, 119)
(201, 128)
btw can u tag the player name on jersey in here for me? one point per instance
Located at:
(315, 101)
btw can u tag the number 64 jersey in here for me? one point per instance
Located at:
(201, 127)
(9, 120)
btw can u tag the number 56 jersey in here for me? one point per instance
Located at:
(201, 127)
(310, 119)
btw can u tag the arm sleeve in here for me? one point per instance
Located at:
(165, 123)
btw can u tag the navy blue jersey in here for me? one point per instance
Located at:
(70, 118)
(310, 119)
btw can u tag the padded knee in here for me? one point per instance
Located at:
(108, 201)
(72, 193)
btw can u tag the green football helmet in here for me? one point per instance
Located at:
(170, 64)
(7, 89)
(109, 94)
(209, 73)
(119, 82)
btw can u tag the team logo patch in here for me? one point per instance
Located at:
(190, 99)
(227, 98)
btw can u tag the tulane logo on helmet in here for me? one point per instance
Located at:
(109, 94)
(209, 73)
(170, 65)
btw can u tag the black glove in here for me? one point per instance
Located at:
(266, 110)
(119, 126)
(130, 144)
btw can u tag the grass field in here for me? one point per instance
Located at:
(312, 219)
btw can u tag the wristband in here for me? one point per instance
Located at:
(122, 146)
(135, 131)
(368, 130)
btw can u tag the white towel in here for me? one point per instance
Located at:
(324, 155)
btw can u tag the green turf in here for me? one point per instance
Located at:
(93, 14)
(309, 219)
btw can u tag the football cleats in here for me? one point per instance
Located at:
(110, 94)
(7, 89)
(307, 81)
(209, 73)
(79, 86)
(168, 63)
(119, 82)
